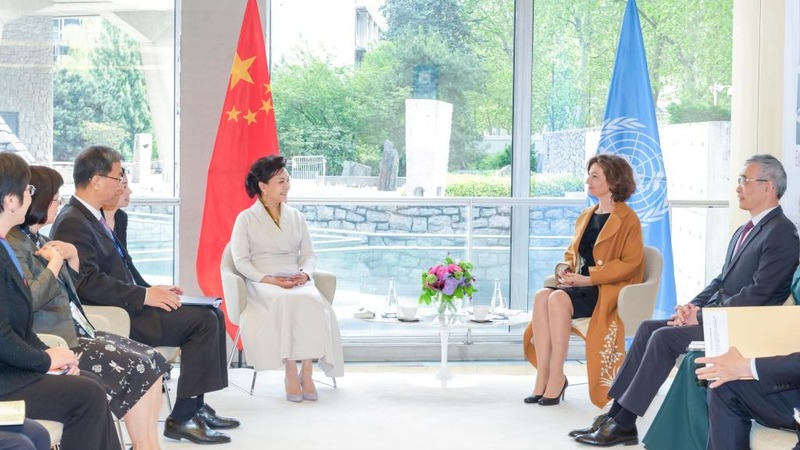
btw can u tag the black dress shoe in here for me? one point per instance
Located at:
(214, 421)
(532, 399)
(194, 430)
(598, 422)
(610, 434)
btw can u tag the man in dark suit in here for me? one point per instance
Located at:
(761, 258)
(769, 398)
(157, 317)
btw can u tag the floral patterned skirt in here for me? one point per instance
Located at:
(126, 367)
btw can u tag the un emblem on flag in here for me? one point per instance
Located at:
(630, 139)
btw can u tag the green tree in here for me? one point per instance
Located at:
(445, 18)
(315, 111)
(119, 80)
(73, 105)
(394, 62)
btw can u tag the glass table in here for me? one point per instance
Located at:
(449, 323)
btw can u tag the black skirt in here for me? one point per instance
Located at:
(584, 299)
(127, 368)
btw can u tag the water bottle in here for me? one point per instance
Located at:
(498, 302)
(390, 305)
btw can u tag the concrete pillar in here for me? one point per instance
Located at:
(209, 34)
(757, 86)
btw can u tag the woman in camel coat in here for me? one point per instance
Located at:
(606, 254)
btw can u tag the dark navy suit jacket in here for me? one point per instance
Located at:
(748, 278)
(104, 271)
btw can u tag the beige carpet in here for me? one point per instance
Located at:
(380, 407)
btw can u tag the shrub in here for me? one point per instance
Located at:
(491, 185)
(478, 186)
(555, 184)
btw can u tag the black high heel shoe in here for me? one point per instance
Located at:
(532, 399)
(545, 401)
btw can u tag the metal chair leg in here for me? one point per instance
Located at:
(235, 341)
(253, 385)
(166, 393)
(118, 423)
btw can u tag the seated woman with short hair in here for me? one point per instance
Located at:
(606, 254)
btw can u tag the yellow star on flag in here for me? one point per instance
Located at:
(233, 114)
(250, 117)
(267, 88)
(266, 106)
(240, 70)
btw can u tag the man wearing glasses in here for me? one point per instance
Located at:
(157, 317)
(761, 258)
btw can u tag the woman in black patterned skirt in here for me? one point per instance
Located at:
(130, 371)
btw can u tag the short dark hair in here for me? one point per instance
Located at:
(618, 173)
(93, 160)
(14, 177)
(261, 172)
(47, 182)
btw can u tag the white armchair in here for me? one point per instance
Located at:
(235, 293)
(55, 429)
(113, 319)
(636, 302)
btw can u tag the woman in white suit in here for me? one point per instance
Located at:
(289, 319)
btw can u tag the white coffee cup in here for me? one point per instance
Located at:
(407, 312)
(480, 312)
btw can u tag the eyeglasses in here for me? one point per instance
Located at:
(58, 200)
(742, 180)
(31, 188)
(118, 179)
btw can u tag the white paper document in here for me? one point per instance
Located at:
(715, 331)
(12, 412)
(199, 300)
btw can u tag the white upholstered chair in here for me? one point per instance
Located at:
(636, 302)
(113, 319)
(53, 428)
(235, 293)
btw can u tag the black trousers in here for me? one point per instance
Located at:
(79, 402)
(732, 406)
(652, 355)
(200, 333)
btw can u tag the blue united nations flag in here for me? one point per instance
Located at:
(630, 130)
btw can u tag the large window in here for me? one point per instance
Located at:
(423, 108)
(81, 73)
(397, 117)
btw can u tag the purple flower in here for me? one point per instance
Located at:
(450, 285)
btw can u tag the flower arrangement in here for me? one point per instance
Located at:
(447, 281)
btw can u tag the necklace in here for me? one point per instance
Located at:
(276, 219)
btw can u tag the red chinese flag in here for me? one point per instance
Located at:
(246, 132)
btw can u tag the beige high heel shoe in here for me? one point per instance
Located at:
(310, 396)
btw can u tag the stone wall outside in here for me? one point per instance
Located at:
(26, 81)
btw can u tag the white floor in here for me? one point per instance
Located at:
(385, 407)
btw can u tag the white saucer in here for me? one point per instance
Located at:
(480, 321)
(403, 319)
